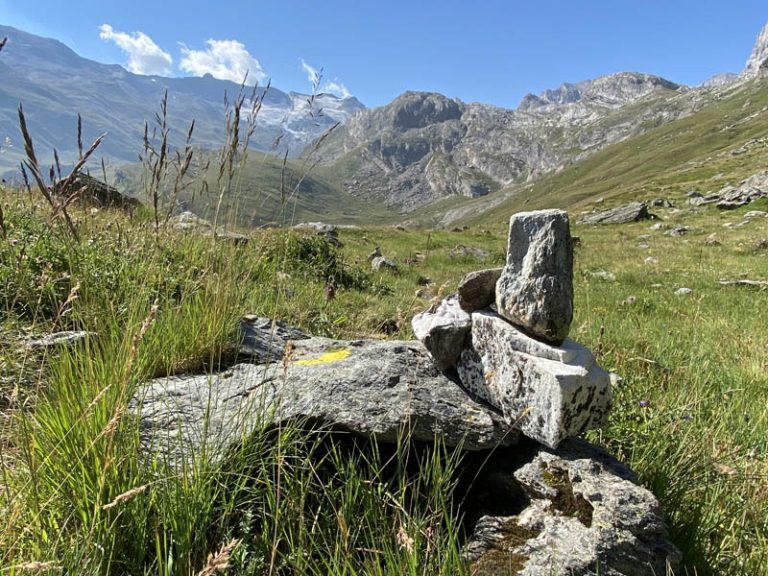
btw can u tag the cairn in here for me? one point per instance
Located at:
(504, 336)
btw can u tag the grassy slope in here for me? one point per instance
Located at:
(266, 192)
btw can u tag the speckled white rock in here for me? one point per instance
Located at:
(535, 290)
(547, 392)
(443, 331)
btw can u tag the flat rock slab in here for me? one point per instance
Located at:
(584, 515)
(632, 212)
(547, 392)
(373, 388)
(535, 289)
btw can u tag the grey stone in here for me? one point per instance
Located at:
(584, 515)
(443, 330)
(732, 197)
(631, 212)
(56, 339)
(94, 192)
(535, 290)
(327, 231)
(477, 290)
(461, 251)
(382, 263)
(234, 237)
(603, 275)
(547, 392)
(683, 291)
(189, 221)
(369, 387)
(678, 231)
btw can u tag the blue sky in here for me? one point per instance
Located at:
(490, 51)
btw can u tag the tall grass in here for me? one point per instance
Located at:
(80, 495)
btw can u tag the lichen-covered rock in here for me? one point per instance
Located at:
(477, 290)
(547, 392)
(585, 515)
(443, 331)
(535, 290)
(369, 387)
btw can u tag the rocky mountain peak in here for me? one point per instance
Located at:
(613, 90)
(419, 109)
(757, 63)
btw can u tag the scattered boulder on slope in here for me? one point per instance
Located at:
(632, 212)
(731, 197)
(97, 193)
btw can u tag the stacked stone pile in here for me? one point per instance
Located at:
(504, 336)
(495, 365)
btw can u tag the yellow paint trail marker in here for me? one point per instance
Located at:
(327, 358)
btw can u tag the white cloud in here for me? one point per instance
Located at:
(315, 75)
(144, 56)
(223, 59)
(337, 88)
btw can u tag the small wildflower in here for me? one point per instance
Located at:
(644, 403)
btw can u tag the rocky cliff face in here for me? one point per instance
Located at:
(757, 63)
(423, 146)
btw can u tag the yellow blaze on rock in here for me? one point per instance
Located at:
(331, 356)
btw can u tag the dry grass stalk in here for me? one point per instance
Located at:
(111, 425)
(62, 187)
(98, 397)
(235, 150)
(220, 561)
(126, 496)
(64, 308)
(145, 324)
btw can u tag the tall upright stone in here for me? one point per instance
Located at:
(535, 290)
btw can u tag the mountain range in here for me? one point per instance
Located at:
(423, 153)
(54, 84)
